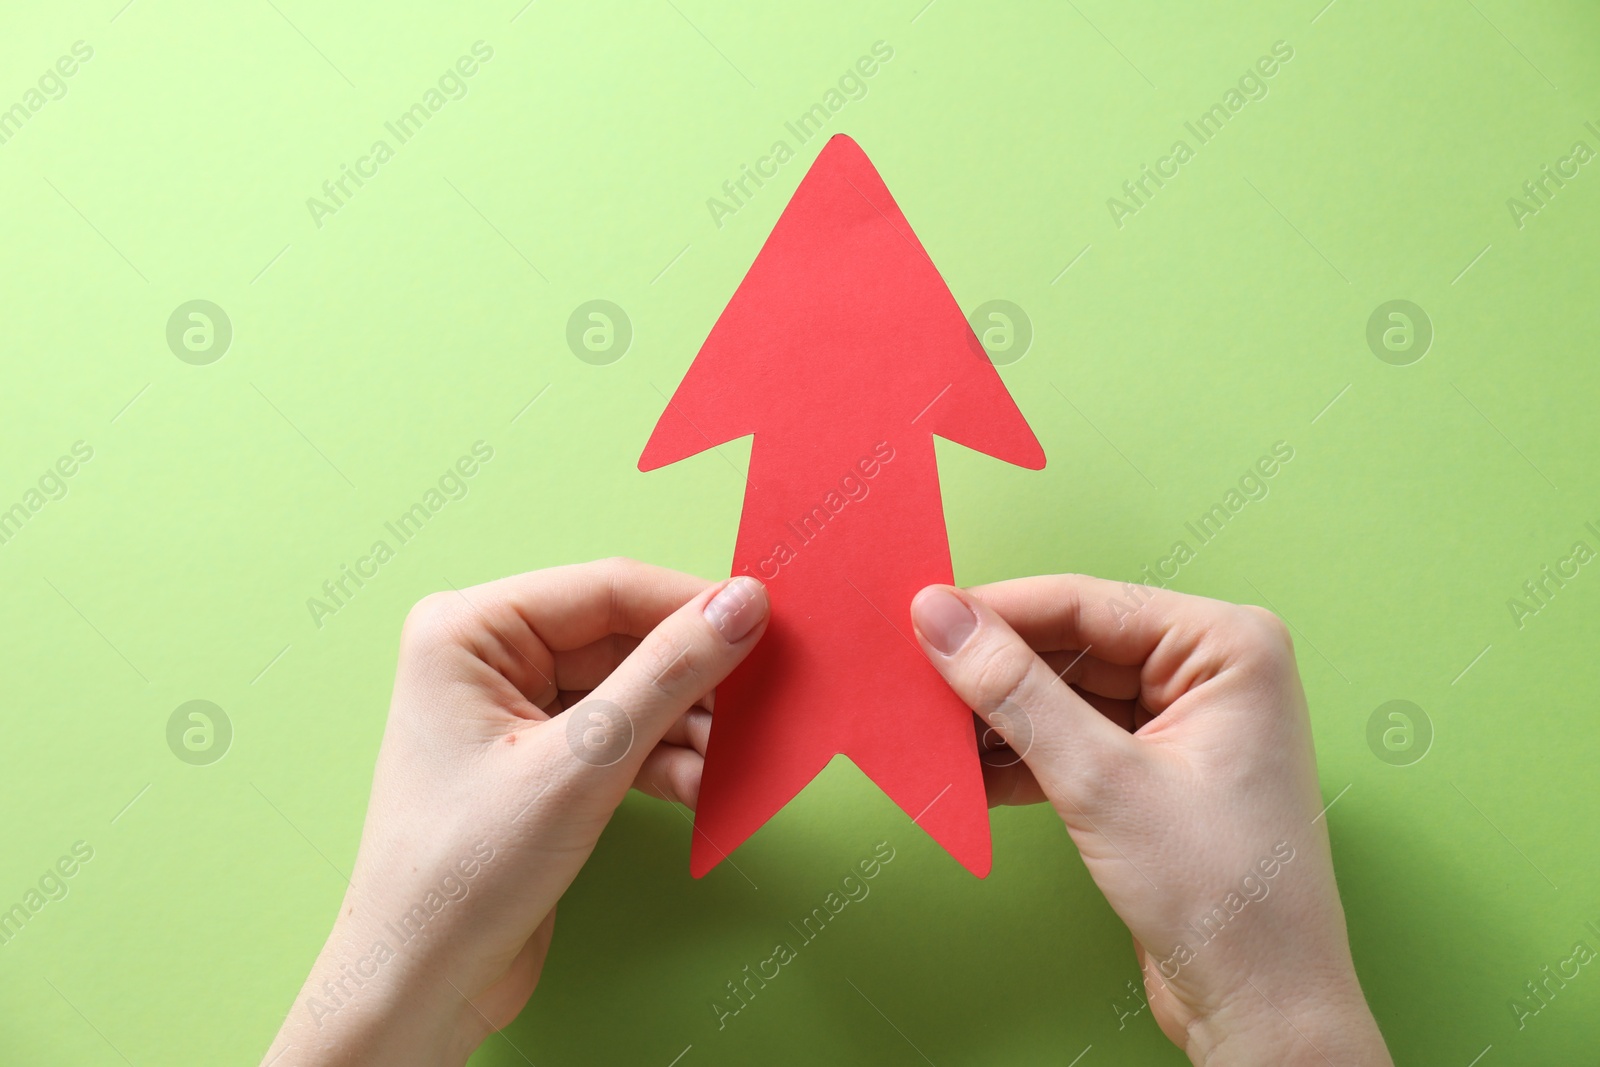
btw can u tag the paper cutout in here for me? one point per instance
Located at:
(843, 352)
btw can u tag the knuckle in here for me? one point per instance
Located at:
(618, 568)
(434, 620)
(997, 671)
(672, 668)
(618, 574)
(1269, 629)
(1102, 783)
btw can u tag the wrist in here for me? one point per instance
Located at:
(371, 999)
(1269, 1022)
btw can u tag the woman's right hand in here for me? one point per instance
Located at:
(1170, 733)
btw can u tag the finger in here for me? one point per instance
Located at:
(568, 697)
(1094, 674)
(1120, 622)
(1176, 641)
(1142, 716)
(582, 669)
(675, 665)
(1009, 782)
(516, 625)
(587, 666)
(571, 606)
(691, 730)
(671, 773)
(989, 738)
(1125, 713)
(1006, 778)
(1064, 741)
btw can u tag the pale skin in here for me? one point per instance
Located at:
(1175, 746)
(1170, 733)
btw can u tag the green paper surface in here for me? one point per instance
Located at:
(1168, 344)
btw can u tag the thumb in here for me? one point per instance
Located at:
(1068, 745)
(618, 724)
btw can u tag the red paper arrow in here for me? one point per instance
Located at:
(843, 352)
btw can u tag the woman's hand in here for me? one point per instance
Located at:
(1171, 735)
(488, 796)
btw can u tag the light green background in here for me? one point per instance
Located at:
(369, 354)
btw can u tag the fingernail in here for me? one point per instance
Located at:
(942, 618)
(737, 608)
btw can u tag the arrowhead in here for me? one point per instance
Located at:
(842, 320)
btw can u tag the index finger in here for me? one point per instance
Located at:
(518, 625)
(575, 605)
(1122, 622)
